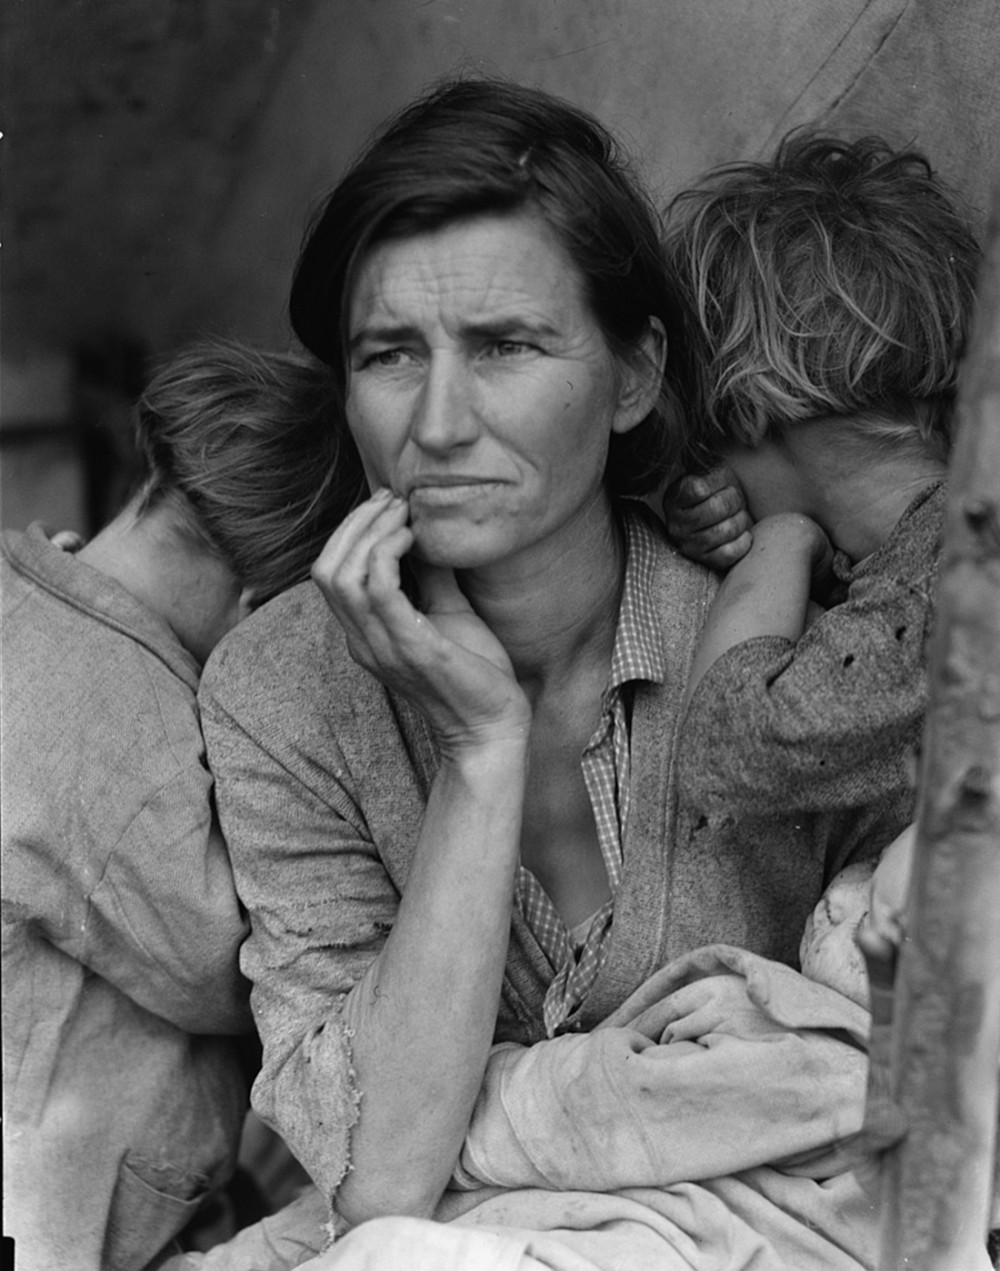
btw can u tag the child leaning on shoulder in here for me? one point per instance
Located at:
(829, 292)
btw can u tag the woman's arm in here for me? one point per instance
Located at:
(423, 1015)
(377, 1012)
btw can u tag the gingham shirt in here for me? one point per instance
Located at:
(638, 655)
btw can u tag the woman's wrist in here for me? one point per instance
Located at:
(490, 752)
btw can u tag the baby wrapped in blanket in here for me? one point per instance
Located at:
(712, 1122)
(712, 1066)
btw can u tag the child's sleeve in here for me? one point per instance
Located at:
(825, 723)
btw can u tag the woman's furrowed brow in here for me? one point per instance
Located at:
(379, 333)
(508, 328)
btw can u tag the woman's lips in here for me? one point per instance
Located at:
(451, 490)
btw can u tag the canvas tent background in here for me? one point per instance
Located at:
(161, 160)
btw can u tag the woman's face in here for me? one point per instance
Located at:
(481, 388)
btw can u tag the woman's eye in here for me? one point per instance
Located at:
(385, 357)
(510, 348)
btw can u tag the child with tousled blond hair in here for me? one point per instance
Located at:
(829, 292)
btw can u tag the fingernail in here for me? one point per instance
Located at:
(383, 493)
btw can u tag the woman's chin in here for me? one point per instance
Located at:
(450, 555)
(454, 545)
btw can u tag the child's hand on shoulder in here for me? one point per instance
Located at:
(707, 518)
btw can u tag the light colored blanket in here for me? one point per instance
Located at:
(706, 1126)
(721, 1062)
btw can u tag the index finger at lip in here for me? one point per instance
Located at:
(358, 530)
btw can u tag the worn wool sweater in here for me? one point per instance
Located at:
(322, 778)
(831, 721)
(123, 1098)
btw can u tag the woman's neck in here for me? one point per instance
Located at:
(555, 609)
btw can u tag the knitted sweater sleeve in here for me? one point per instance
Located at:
(823, 724)
(319, 897)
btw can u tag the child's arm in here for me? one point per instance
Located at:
(826, 722)
(766, 593)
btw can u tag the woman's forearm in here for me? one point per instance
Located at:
(423, 1016)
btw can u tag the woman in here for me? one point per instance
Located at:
(123, 1002)
(428, 863)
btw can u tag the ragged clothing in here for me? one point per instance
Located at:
(721, 1062)
(123, 1091)
(832, 720)
(711, 1122)
(322, 779)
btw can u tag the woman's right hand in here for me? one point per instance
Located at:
(445, 660)
(421, 1032)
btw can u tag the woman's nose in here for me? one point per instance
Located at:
(444, 416)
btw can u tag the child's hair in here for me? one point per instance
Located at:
(838, 279)
(244, 444)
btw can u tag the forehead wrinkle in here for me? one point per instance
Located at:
(447, 281)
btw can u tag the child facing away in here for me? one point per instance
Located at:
(124, 1089)
(830, 293)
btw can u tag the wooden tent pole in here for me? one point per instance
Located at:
(945, 1041)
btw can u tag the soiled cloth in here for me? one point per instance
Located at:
(721, 1062)
(123, 1091)
(322, 778)
(707, 1125)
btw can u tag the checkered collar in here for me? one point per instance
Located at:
(638, 651)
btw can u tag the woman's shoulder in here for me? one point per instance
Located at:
(679, 590)
(291, 634)
(289, 659)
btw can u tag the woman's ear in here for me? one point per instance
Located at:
(641, 378)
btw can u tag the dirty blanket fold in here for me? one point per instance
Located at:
(708, 1124)
(721, 1062)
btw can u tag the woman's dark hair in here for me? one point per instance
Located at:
(483, 146)
(244, 445)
